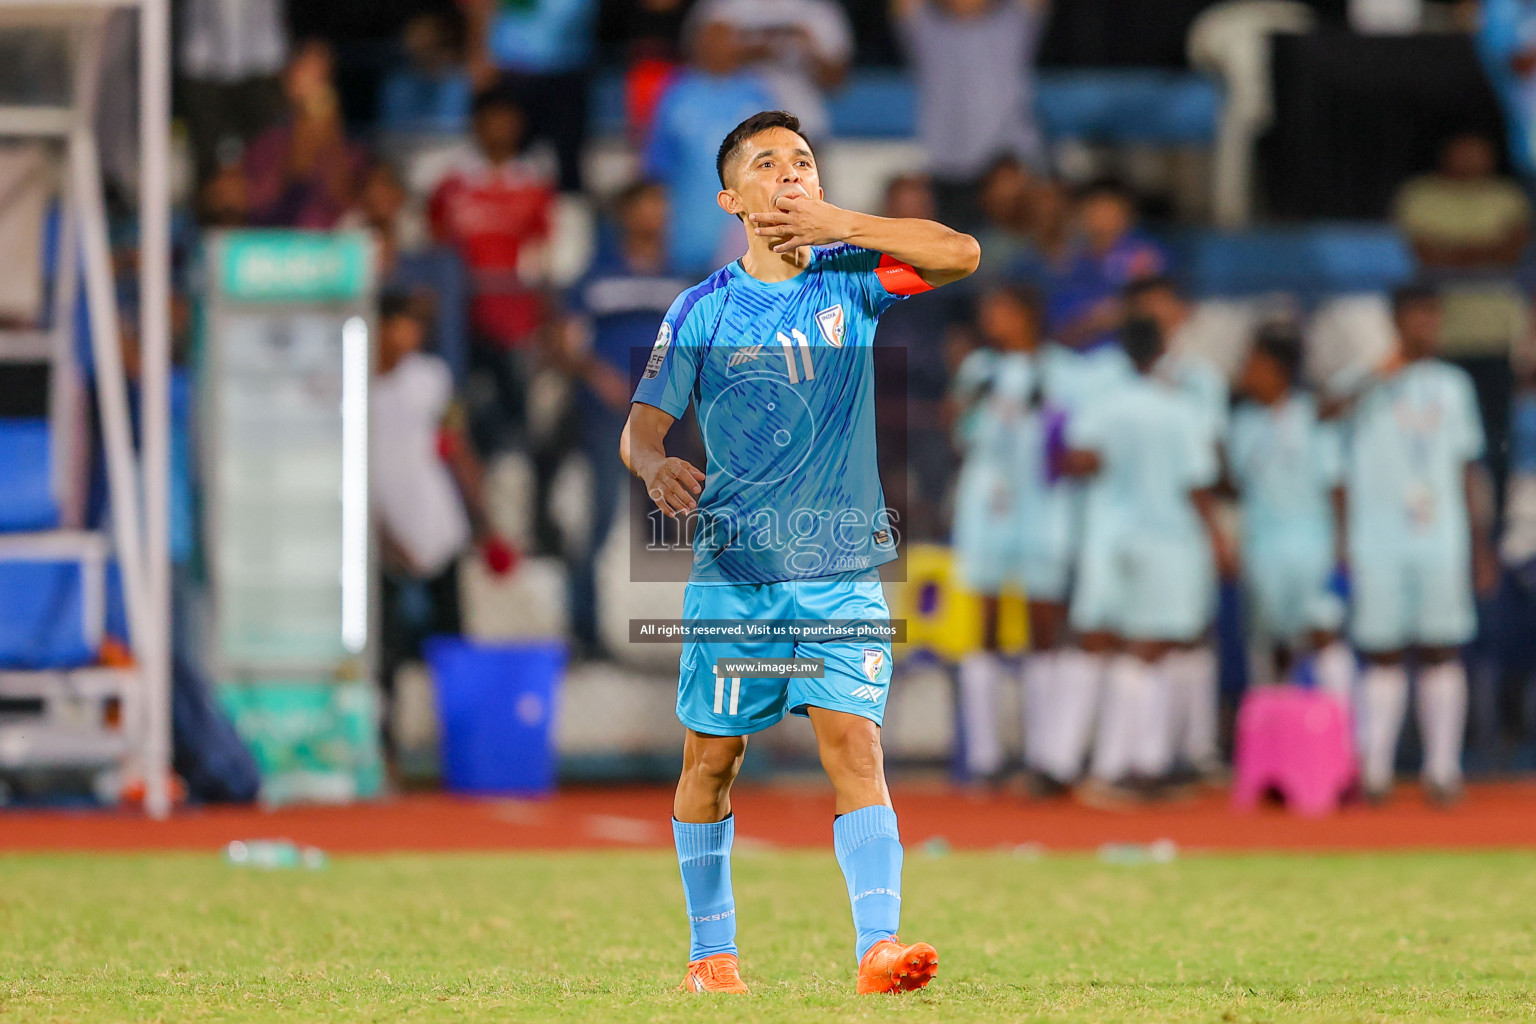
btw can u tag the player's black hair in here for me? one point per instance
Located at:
(1110, 187)
(1142, 340)
(632, 192)
(494, 98)
(759, 122)
(1024, 295)
(1412, 295)
(1145, 285)
(398, 303)
(1281, 342)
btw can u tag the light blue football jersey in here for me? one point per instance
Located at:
(781, 378)
(1153, 451)
(1410, 439)
(1202, 383)
(1078, 379)
(1286, 463)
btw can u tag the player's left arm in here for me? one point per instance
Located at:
(1481, 513)
(940, 255)
(1222, 548)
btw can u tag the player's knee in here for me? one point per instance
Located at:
(714, 764)
(855, 753)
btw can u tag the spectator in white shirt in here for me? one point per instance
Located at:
(427, 491)
(975, 67)
(800, 48)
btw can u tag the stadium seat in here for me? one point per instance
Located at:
(43, 619)
(1122, 105)
(1313, 262)
(26, 500)
(410, 102)
(1154, 106)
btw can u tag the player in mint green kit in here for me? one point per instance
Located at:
(1287, 467)
(1414, 537)
(774, 354)
(1191, 668)
(1013, 519)
(1148, 530)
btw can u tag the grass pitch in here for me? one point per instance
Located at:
(600, 937)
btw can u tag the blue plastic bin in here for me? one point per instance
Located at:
(496, 710)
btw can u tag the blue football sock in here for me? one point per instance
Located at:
(869, 852)
(704, 855)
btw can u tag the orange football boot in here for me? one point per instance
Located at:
(718, 973)
(891, 967)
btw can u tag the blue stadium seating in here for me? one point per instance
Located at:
(1123, 105)
(1310, 261)
(26, 500)
(410, 102)
(41, 616)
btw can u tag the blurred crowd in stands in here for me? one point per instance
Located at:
(524, 260)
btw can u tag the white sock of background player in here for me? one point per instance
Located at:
(1334, 666)
(1442, 708)
(979, 675)
(1039, 714)
(1193, 679)
(1153, 750)
(1122, 723)
(1067, 729)
(1384, 699)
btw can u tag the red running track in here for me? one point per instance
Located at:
(1498, 815)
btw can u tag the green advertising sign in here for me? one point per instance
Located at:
(293, 266)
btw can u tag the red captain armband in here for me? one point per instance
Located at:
(900, 278)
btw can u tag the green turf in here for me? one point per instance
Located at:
(599, 937)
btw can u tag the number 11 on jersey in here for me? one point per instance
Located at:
(789, 355)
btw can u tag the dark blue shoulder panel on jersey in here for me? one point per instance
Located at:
(711, 284)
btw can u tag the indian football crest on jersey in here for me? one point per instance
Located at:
(874, 661)
(659, 351)
(833, 325)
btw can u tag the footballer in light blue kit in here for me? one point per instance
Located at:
(1013, 517)
(1411, 476)
(1191, 668)
(1287, 467)
(774, 354)
(1142, 589)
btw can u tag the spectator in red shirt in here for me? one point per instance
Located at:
(304, 173)
(495, 207)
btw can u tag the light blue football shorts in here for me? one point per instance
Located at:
(1144, 588)
(858, 671)
(1286, 582)
(1411, 595)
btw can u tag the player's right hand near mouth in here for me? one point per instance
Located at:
(673, 484)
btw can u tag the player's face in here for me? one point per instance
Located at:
(1105, 217)
(1262, 379)
(399, 336)
(771, 164)
(1162, 305)
(1418, 328)
(1007, 323)
(647, 215)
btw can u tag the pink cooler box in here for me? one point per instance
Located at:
(1297, 742)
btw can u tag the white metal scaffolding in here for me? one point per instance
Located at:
(139, 482)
